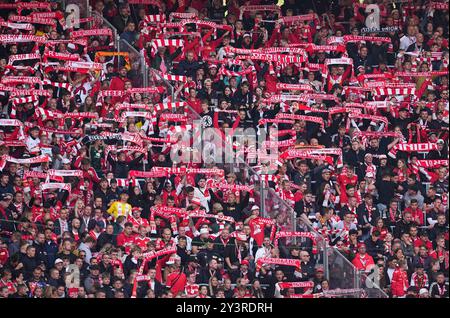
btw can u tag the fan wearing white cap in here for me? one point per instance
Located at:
(198, 242)
(368, 165)
(441, 153)
(254, 214)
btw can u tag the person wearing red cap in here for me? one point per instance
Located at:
(244, 271)
(137, 221)
(362, 260)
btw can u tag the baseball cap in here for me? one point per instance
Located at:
(245, 262)
(440, 141)
(246, 35)
(255, 207)
(423, 291)
(204, 231)
(382, 157)
(58, 260)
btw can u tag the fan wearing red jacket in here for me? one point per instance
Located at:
(416, 213)
(399, 283)
(126, 238)
(362, 260)
(345, 178)
(142, 239)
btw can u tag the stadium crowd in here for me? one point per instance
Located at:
(94, 202)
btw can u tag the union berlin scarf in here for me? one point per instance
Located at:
(279, 261)
(134, 138)
(432, 164)
(251, 69)
(172, 117)
(268, 50)
(150, 255)
(65, 173)
(21, 80)
(298, 18)
(294, 87)
(180, 15)
(311, 48)
(317, 120)
(38, 159)
(60, 56)
(300, 98)
(127, 106)
(56, 185)
(41, 175)
(309, 235)
(9, 38)
(279, 144)
(286, 285)
(279, 58)
(146, 174)
(167, 213)
(232, 187)
(33, 20)
(17, 26)
(412, 147)
(164, 42)
(358, 38)
(92, 32)
(275, 121)
(337, 61)
(23, 57)
(421, 74)
(373, 118)
(145, 115)
(11, 122)
(14, 123)
(301, 153)
(254, 8)
(438, 6)
(377, 134)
